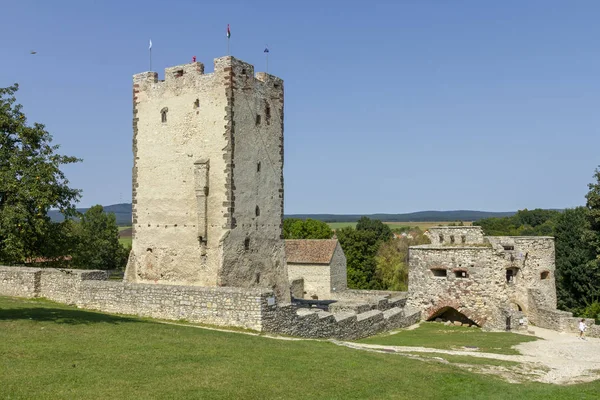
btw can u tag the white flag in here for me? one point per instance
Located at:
(150, 47)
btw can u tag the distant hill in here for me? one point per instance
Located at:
(123, 214)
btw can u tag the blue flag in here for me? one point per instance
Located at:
(266, 50)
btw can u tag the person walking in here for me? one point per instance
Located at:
(582, 328)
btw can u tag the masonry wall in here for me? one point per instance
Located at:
(338, 270)
(486, 295)
(317, 279)
(89, 289)
(458, 235)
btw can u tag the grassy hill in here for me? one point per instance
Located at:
(123, 214)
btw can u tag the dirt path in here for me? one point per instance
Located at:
(561, 358)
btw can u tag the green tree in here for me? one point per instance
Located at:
(31, 183)
(392, 260)
(360, 248)
(593, 207)
(294, 228)
(97, 245)
(381, 230)
(577, 278)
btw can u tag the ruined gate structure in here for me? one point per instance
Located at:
(494, 282)
(208, 178)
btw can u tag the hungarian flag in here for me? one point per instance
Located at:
(228, 32)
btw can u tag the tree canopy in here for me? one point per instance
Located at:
(295, 228)
(97, 241)
(31, 183)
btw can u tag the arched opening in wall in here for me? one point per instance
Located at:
(163, 115)
(257, 211)
(445, 314)
(463, 239)
(452, 239)
(441, 237)
(258, 166)
(512, 275)
(545, 275)
(515, 306)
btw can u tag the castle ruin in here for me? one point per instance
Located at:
(208, 244)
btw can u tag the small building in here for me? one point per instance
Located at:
(320, 263)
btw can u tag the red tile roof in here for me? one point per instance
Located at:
(309, 251)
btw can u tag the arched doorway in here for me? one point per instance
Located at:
(451, 314)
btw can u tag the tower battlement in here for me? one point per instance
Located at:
(208, 177)
(185, 74)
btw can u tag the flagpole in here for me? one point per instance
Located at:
(150, 52)
(267, 53)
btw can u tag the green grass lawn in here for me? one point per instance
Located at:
(51, 351)
(439, 336)
(125, 241)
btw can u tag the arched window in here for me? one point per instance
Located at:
(163, 115)
(257, 211)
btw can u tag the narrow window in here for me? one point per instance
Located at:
(544, 275)
(276, 85)
(257, 120)
(441, 238)
(247, 244)
(461, 274)
(463, 239)
(243, 71)
(258, 166)
(452, 239)
(268, 114)
(511, 275)
(163, 114)
(257, 211)
(508, 247)
(439, 273)
(197, 103)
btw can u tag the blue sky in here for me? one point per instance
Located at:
(390, 106)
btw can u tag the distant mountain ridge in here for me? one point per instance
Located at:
(122, 213)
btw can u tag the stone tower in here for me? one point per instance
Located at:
(208, 177)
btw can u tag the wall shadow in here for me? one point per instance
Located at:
(61, 316)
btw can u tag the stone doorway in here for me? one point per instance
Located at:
(449, 314)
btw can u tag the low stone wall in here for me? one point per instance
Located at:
(288, 320)
(222, 306)
(19, 281)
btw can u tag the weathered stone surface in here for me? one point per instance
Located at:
(208, 178)
(495, 282)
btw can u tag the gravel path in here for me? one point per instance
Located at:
(565, 358)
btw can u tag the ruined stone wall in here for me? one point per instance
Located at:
(338, 270)
(455, 235)
(89, 289)
(479, 294)
(488, 282)
(208, 178)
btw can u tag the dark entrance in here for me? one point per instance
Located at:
(450, 314)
